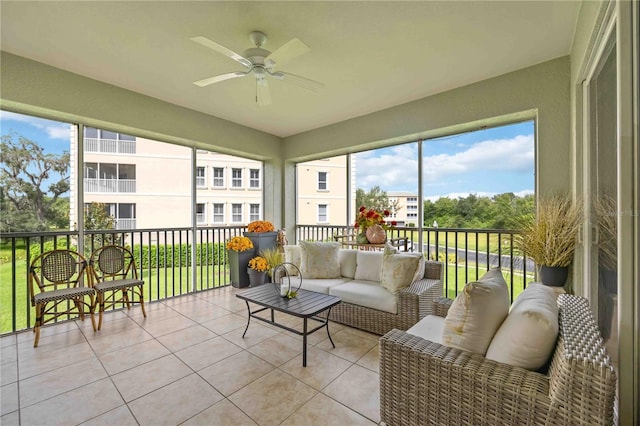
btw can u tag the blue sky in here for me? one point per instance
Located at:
(485, 162)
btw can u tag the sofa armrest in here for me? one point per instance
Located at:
(420, 296)
(441, 306)
(423, 382)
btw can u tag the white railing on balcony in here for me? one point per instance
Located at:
(125, 224)
(110, 185)
(112, 146)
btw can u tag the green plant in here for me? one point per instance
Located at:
(550, 237)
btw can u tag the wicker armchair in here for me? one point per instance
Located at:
(414, 303)
(424, 383)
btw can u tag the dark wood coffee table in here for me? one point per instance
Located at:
(306, 305)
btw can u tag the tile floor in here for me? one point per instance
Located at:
(187, 363)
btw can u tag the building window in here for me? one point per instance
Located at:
(412, 199)
(412, 215)
(200, 179)
(218, 213)
(323, 213)
(218, 177)
(236, 178)
(322, 181)
(254, 178)
(236, 213)
(254, 212)
(201, 216)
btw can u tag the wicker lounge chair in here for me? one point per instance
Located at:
(424, 383)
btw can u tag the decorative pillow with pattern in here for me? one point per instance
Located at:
(399, 270)
(319, 260)
(292, 254)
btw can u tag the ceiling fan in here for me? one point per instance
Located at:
(260, 63)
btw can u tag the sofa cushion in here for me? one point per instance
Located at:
(320, 285)
(429, 328)
(348, 263)
(319, 260)
(477, 312)
(528, 335)
(369, 294)
(399, 270)
(292, 254)
(368, 265)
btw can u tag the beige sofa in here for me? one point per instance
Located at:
(427, 383)
(366, 304)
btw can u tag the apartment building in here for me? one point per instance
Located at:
(147, 184)
(405, 207)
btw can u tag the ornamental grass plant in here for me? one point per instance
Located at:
(273, 256)
(550, 236)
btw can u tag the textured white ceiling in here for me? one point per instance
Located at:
(370, 55)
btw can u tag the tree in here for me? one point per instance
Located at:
(375, 199)
(96, 217)
(24, 171)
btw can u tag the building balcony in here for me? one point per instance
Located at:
(109, 146)
(110, 185)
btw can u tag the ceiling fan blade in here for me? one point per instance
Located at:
(263, 96)
(221, 49)
(307, 83)
(219, 78)
(291, 49)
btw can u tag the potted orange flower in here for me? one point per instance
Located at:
(262, 233)
(257, 270)
(240, 250)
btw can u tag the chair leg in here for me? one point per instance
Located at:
(36, 328)
(125, 296)
(142, 302)
(101, 304)
(78, 303)
(92, 309)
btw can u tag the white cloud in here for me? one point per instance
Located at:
(391, 168)
(54, 129)
(515, 154)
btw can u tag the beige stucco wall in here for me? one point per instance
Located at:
(334, 197)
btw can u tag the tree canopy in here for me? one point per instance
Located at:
(501, 211)
(376, 199)
(31, 185)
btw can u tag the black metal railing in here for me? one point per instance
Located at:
(164, 258)
(467, 253)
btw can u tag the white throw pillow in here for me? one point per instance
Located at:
(527, 336)
(348, 262)
(400, 269)
(368, 265)
(292, 254)
(477, 312)
(320, 260)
